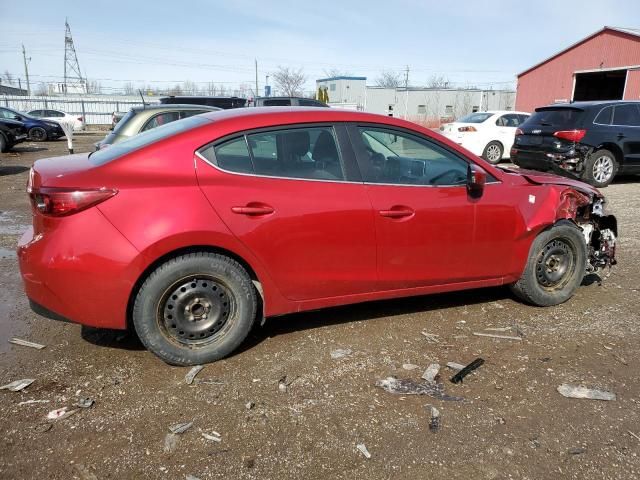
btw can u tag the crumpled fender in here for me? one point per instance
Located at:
(570, 201)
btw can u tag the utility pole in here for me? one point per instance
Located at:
(256, 60)
(26, 69)
(406, 92)
(72, 76)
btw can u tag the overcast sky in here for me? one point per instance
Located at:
(164, 42)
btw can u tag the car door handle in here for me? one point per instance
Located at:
(397, 212)
(253, 210)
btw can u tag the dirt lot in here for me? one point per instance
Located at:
(512, 424)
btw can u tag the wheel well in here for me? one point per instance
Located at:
(495, 141)
(183, 251)
(613, 148)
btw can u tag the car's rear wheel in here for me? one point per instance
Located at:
(600, 168)
(195, 308)
(555, 267)
(37, 134)
(4, 147)
(493, 152)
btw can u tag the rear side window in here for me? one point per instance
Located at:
(475, 118)
(144, 139)
(161, 119)
(604, 117)
(627, 115)
(304, 153)
(556, 117)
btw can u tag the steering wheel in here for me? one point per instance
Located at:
(457, 177)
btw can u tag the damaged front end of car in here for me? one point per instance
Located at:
(600, 231)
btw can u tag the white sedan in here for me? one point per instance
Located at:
(59, 116)
(489, 135)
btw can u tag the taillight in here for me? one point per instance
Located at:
(571, 135)
(467, 129)
(60, 202)
(519, 132)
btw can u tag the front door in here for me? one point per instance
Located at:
(286, 194)
(626, 128)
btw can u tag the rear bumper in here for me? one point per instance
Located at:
(569, 162)
(81, 269)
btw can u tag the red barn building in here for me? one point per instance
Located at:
(603, 66)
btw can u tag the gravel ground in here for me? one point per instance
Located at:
(512, 424)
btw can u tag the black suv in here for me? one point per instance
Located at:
(220, 102)
(589, 140)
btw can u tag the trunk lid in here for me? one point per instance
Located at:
(67, 171)
(537, 132)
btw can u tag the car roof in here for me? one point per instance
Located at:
(587, 104)
(174, 106)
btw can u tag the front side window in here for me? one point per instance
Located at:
(161, 119)
(627, 115)
(399, 158)
(509, 120)
(303, 153)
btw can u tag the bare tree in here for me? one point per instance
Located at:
(190, 88)
(93, 86)
(8, 78)
(128, 88)
(41, 90)
(336, 72)
(389, 79)
(438, 81)
(289, 81)
(176, 90)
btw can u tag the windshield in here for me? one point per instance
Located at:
(556, 117)
(144, 139)
(475, 117)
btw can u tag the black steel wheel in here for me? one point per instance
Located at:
(555, 267)
(195, 308)
(37, 134)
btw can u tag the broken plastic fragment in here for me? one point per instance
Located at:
(431, 372)
(457, 378)
(573, 391)
(170, 442)
(214, 436)
(60, 413)
(26, 343)
(340, 352)
(188, 378)
(179, 428)
(455, 366)
(434, 423)
(85, 402)
(411, 387)
(409, 366)
(363, 450)
(504, 337)
(18, 385)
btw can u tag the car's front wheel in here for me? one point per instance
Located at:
(493, 152)
(600, 168)
(195, 308)
(555, 267)
(37, 134)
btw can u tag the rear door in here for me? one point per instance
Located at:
(506, 125)
(294, 198)
(626, 128)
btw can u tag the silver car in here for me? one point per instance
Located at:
(141, 119)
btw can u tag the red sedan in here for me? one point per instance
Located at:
(192, 231)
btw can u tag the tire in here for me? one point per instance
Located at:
(555, 267)
(194, 309)
(4, 146)
(38, 134)
(493, 152)
(600, 168)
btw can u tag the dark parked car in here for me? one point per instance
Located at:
(221, 102)
(287, 102)
(141, 119)
(592, 141)
(193, 231)
(11, 133)
(37, 130)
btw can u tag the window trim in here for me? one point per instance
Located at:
(335, 126)
(352, 129)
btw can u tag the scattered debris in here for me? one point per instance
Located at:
(573, 391)
(249, 405)
(434, 423)
(214, 436)
(340, 353)
(576, 451)
(85, 402)
(170, 442)
(179, 428)
(620, 359)
(411, 387)
(84, 472)
(31, 402)
(18, 385)
(504, 337)
(500, 421)
(519, 330)
(431, 338)
(43, 427)
(431, 372)
(188, 378)
(633, 435)
(457, 378)
(409, 366)
(498, 329)
(26, 343)
(363, 450)
(455, 366)
(191, 477)
(60, 413)
(283, 385)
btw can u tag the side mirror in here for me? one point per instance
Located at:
(476, 179)
(17, 117)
